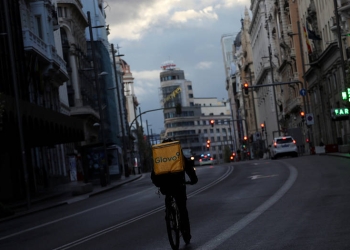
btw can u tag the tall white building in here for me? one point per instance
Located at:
(187, 118)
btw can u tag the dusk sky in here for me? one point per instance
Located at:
(186, 32)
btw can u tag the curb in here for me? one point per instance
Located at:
(65, 202)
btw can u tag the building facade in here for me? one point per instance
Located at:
(187, 118)
(37, 134)
(300, 54)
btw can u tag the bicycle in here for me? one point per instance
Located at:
(173, 221)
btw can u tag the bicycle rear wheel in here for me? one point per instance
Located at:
(172, 225)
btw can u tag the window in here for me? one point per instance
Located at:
(315, 97)
(38, 27)
(189, 87)
(62, 12)
(191, 104)
(205, 131)
(211, 130)
(217, 130)
(190, 95)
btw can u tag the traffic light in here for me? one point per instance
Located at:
(245, 86)
(307, 140)
(302, 114)
(232, 157)
(262, 125)
(212, 123)
(245, 138)
(208, 144)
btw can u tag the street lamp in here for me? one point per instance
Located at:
(104, 170)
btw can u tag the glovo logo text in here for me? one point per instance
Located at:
(167, 159)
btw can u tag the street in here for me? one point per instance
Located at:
(289, 203)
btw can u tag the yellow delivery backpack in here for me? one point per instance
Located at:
(167, 158)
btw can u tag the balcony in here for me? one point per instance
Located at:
(48, 52)
(293, 103)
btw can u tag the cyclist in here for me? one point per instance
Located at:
(174, 184)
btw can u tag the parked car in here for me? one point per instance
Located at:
(283, 146)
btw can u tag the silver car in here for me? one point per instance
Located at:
(283, 146)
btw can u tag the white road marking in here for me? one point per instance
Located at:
(107, 230)
(254, 177)
(235, 228)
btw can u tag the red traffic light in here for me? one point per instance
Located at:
(245, 138)
(234, 154)
(302, 113)
(208, 141)
(245, 86)
(262, 125)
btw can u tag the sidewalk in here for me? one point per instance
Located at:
(344, 155)
(65, 194)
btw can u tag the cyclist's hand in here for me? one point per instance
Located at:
(194, 181)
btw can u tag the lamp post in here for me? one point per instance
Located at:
(124, 149)
(104, 170)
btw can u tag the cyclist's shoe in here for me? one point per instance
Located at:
(186, 236)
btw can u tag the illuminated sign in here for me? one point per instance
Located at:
(340, 113)
(173, 94)
(168, 65)
(346, 95)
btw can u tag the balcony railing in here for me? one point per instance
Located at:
(33, 42)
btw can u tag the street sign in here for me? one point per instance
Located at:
(310, 119)
(303, 92)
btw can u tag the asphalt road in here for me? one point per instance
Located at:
(289, 203)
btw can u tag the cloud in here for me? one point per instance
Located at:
(147, 74)
(146, 84)
(131, 20)
(185, 16)
(204, 65)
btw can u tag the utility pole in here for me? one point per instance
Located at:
(18, 108)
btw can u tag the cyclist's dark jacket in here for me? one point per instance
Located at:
(174, 182)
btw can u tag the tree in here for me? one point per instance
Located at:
(145, 150)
